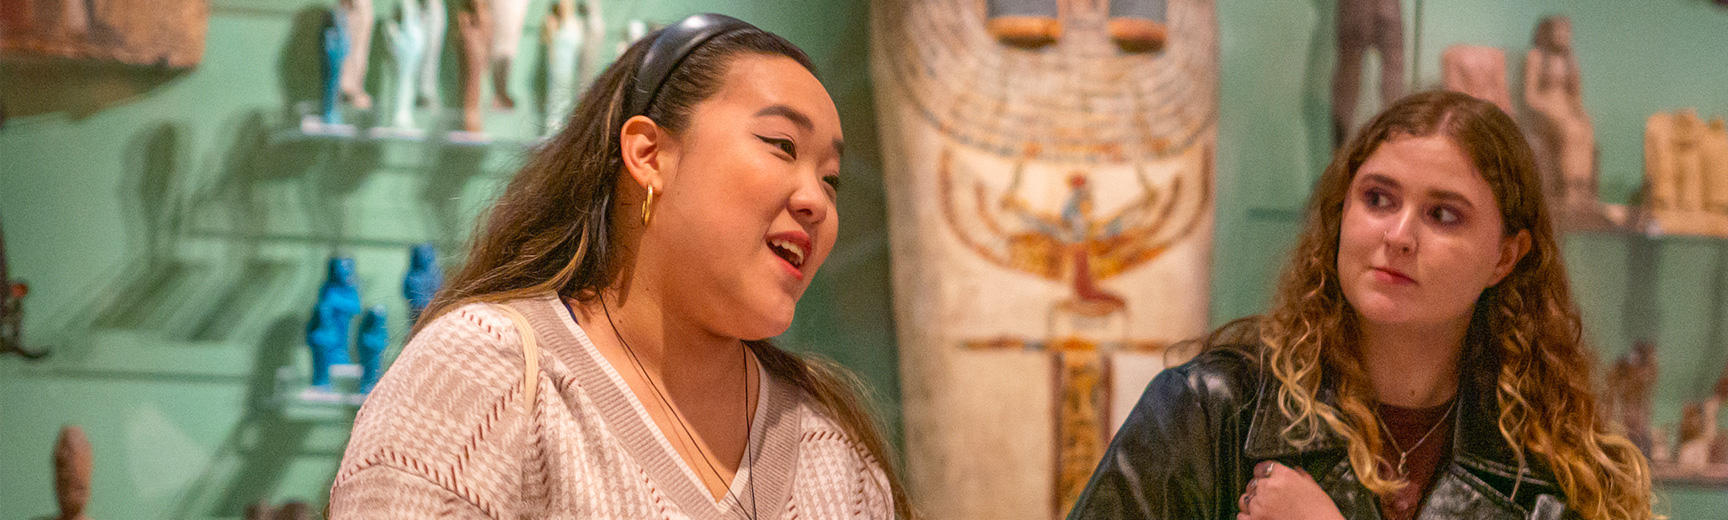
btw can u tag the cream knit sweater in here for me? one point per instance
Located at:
(446, 434)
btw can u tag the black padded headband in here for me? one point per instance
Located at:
(674, 43)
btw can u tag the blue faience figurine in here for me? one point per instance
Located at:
(327, 333)
(423, 280)
(374, 336)
(335, 50)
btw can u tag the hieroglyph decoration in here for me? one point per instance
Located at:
(1051, 211)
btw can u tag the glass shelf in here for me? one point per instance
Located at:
(294, 389)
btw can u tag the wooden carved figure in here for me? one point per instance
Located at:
(1566, 140)
(1365, 25)
(73, 464)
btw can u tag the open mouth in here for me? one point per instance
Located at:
(788, 250)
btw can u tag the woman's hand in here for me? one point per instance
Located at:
(1281, 493)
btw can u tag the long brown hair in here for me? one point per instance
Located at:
(551, 229)
(1527, 325)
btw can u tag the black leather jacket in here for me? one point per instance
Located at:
(1188, 449)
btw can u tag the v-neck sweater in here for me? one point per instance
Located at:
(445, 433)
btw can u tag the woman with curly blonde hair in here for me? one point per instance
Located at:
(1422, 357)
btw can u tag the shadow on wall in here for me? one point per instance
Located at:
(36, 86)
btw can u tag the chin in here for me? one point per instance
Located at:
(765, 325)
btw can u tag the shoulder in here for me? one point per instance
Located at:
(455, 386)
(1226, 371)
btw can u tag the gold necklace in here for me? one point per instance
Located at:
(1403, 453)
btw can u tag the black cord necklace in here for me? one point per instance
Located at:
(749, 446)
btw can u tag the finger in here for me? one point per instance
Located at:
(1265, 468)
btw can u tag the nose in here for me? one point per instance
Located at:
(1401, 235)
(810, 204)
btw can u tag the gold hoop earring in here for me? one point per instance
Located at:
(648, 206)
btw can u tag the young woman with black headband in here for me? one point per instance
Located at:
(601, 354)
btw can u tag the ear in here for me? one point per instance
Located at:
(643, 145)
(1512, 249)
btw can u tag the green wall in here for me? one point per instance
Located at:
(174, 240)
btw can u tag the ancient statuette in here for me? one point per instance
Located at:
(563, 34)
(406, 37)
(359, 26)
(1139, 25)
(1631, 382)
(335, 46)
(507, 19)
(327, 333)
(1023, 23)
(1479, 71)
(1713, 154)
(423, 280)
(434, 19)
(73, 465)
(1674, 161)
(1365, 25)
(591, 46)
(1565, 140)
(374, 337)
(473, 24)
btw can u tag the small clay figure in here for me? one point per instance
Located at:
(335, 39)
(562, 34)
(1630, 385)
(374, 337)
(506, 31)
(327, 332)
(1698, 431)
(1674, 167)
(1365, 25)
(435, 20)
(73, 464)
(1027, 24)
(1566, 138)
(423, 279)
(359, 26)
(473, 24)
(407, 40)
(1660, 179)
(1713, 152)
(1479, 71)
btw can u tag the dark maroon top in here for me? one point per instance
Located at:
(1421, 461)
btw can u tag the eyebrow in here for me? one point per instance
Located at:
(1435, 193)
(797, 118)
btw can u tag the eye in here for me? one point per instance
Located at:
(1377, 199)
(784, 145)
(1445, 215)
(833, 181)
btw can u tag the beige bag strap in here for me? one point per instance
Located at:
(530, 355)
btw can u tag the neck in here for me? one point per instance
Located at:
(675, 352)
(1411, 366)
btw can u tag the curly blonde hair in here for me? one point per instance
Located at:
(1526, 327)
